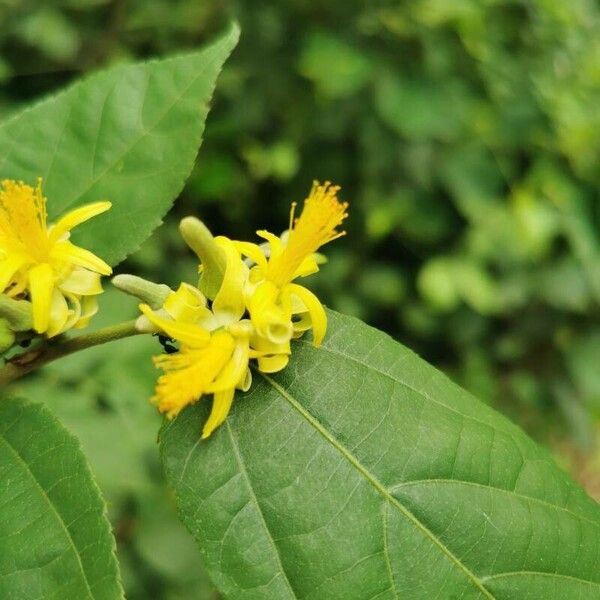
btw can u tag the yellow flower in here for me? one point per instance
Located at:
(207, 363)
(38, 262)
(217, 340)
(280, 309)
(215, 344)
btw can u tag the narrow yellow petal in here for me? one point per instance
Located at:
(315, 309)
(89, 307)
(187, 333)
(82, 282)
(272, 363)
(59, 314)
(246, 382)
(187, 304)
(253, 252)
(76, 217)
(41, 284)
(275, 243)
(189, 372)
(66, 252)
(8, 267)
(220, 409)
(229, 304)
(234, 371)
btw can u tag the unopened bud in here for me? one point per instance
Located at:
(17, 313)
(200, 240)
(7, 336)
(153, 294)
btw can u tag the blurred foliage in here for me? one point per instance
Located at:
(467, 138)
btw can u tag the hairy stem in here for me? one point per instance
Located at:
(29, 361)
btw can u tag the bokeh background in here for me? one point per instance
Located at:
(466, 136)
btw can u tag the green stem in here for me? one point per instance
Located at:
(29, 361)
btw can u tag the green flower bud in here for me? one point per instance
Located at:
(7, 336)
(200, 240)
(17, 313)
(153, 294)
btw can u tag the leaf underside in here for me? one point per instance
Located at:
(55, 540)
(129, 134)
(362, 472)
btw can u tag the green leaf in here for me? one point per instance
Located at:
(362, 472)
(55, 540)
(129, 135)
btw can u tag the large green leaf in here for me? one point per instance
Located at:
(129, 134)
(55, 540)
(362, 472)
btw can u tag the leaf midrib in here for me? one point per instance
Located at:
(406, 385)
(146, 131)
(20, 460)
(376, 484)
(429, 398)
(16, 120)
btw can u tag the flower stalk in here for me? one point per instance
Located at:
(52, 350)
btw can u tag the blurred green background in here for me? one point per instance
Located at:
(466, 136)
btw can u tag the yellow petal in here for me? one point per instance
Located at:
(246, 382)
(187, 304)
(188, 333)
(304, 323)
(275, 243)
(189, 372)
(272, 363)
(234, 371)
(220, 409)
(59, 314)
(268, 317)
(253, 252)
(229, 304)
(8, 267)
(308, 266)
(69, 253)
(81, 282)
(76, 217)
(314, 307)
(88, 308)
(41, 284)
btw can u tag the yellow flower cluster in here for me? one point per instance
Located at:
(255, 314)
(38, 263)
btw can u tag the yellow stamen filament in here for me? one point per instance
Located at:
(23, 219)
(317, 225)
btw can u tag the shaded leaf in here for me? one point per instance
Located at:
(55, 540)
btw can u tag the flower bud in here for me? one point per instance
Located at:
(16, 313)
(153, 294)
(7, 336)
(200, 240)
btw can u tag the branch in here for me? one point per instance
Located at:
(29, 361)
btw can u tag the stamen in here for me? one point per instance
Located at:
(292, 212)
(317, 225)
